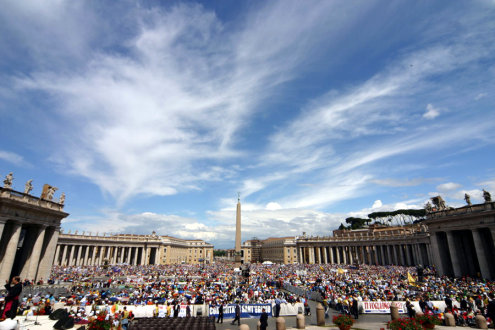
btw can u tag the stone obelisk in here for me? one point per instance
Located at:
(238, 256)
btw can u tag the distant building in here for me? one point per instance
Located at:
(87, 249)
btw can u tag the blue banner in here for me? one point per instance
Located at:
(247, 310)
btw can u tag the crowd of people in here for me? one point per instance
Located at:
(339, 286)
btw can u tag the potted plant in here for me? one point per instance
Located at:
(344, 322)
(405, 324)
(428, 321)
(100, 322)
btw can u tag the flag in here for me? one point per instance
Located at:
(410, 279)
(340, 271)
(322, 269)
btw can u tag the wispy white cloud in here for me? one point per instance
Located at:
(12, 157)
(392, 182)
(431, 112)
(449, 186)
(148, 117)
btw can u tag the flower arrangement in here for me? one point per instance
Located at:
(428, 321)
(100, 322)
(405, 324)
(344, 322)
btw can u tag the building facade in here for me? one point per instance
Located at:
(462, 240)
(29, 230)
(91, 250)
(405, 245)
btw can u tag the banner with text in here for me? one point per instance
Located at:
(381, 307)
(247, 310)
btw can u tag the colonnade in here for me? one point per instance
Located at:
(26, 249)
(384, 254)
(94, 255)
(465, 252)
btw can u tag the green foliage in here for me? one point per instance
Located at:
(219, 253)
(100, 322)
(356, 223)
(343, 319)
(405, 324)
(397, 217)
(428, 319)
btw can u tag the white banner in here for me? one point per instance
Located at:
(289, 309)
(381, 307)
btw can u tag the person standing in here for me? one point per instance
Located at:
(220, 312)
(490, 309)
(14, 289)
(188, 309)
(263, 319)
(355, 308)
(237, 314)
(277, 306)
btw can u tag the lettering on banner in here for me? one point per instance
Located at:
(381, 307)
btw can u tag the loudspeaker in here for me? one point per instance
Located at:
(58, 314)
(64, 323)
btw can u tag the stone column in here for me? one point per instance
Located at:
(86, 255)
(115, 254)
(414, 255)
(63, 261)
(120, 258)
(337, 254)
(312, 255)
(46, 260)
(135, 255)
(375, 254)
(93, 249)
(419, 254)
(344, 255)
(408, 255)
(35, 255)
(89, 255)
(480, 253)
(436, 261)
(71, 255)
(98, 255)
(79, 251)
(389, 253)
(396, 258)
(2, 226)
(107, 254)
(453, 254)
(318, 252)
(325, 256)
(142, 255)
(57, 254)
(429, 255)
(362, 255)
(10, 252)
(400, 249)
(330, 250)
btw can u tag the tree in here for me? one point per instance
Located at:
(356, 223)
(400, 217)
(219, 253)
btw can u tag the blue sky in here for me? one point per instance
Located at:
(153, 115)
